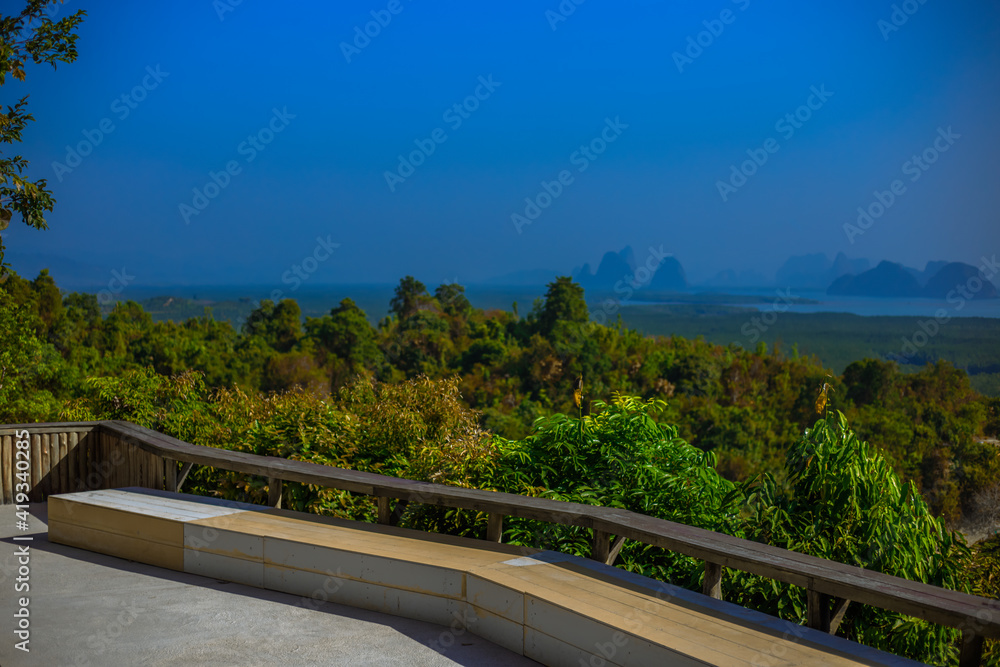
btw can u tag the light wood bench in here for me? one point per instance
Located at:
(551, 607)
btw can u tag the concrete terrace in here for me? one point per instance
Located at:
(92, 609)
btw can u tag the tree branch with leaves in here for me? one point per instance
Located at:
(32, 36)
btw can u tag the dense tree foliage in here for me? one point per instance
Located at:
(747, 408)
(712, 436)
(843, 501)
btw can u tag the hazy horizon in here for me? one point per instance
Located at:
(273, 137)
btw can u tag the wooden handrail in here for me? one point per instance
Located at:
(829, 583)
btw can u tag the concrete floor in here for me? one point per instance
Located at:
(91, 609)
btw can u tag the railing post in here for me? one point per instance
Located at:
(972, 649)
(384, 510)
(274, 492)
(818, 610)
(170, 474)
(601, 547)
(494, 528)
(712, 587)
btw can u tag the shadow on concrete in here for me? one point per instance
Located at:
(465, 649)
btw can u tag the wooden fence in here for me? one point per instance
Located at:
(95, 455)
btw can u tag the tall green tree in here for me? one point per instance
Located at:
(410, 293)
(564, 302)
(349, 337)
(279, 325)
(29, 35)
(452, 299)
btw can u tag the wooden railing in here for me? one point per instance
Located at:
(89, 455)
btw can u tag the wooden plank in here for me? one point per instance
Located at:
(494, 528)
(72, 475)
(117, 521)
(157, 470)
(616, 548)
(70, 462)
(712, 586)
(62, 467)
(97, 476)
(142, 457)
(54, 457)
(169, 474)
(136, 469)
(154, 470)
(46, 464)
(83, 442)
(36, 468)
(48, 427)
(119, 460)
(182, 476)
(131, 548)
(78, 456)
(7, 468)
(133, 467)
(104, 468)
(837, 614)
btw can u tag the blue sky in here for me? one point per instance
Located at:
(556, 84)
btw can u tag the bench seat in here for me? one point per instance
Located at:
(554, 608)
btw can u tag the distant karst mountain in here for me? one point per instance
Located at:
(669, 277)
(952, 277)
(888, 279)
(929, 271)
(941, 281)
(618, 269)
(614, 266)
